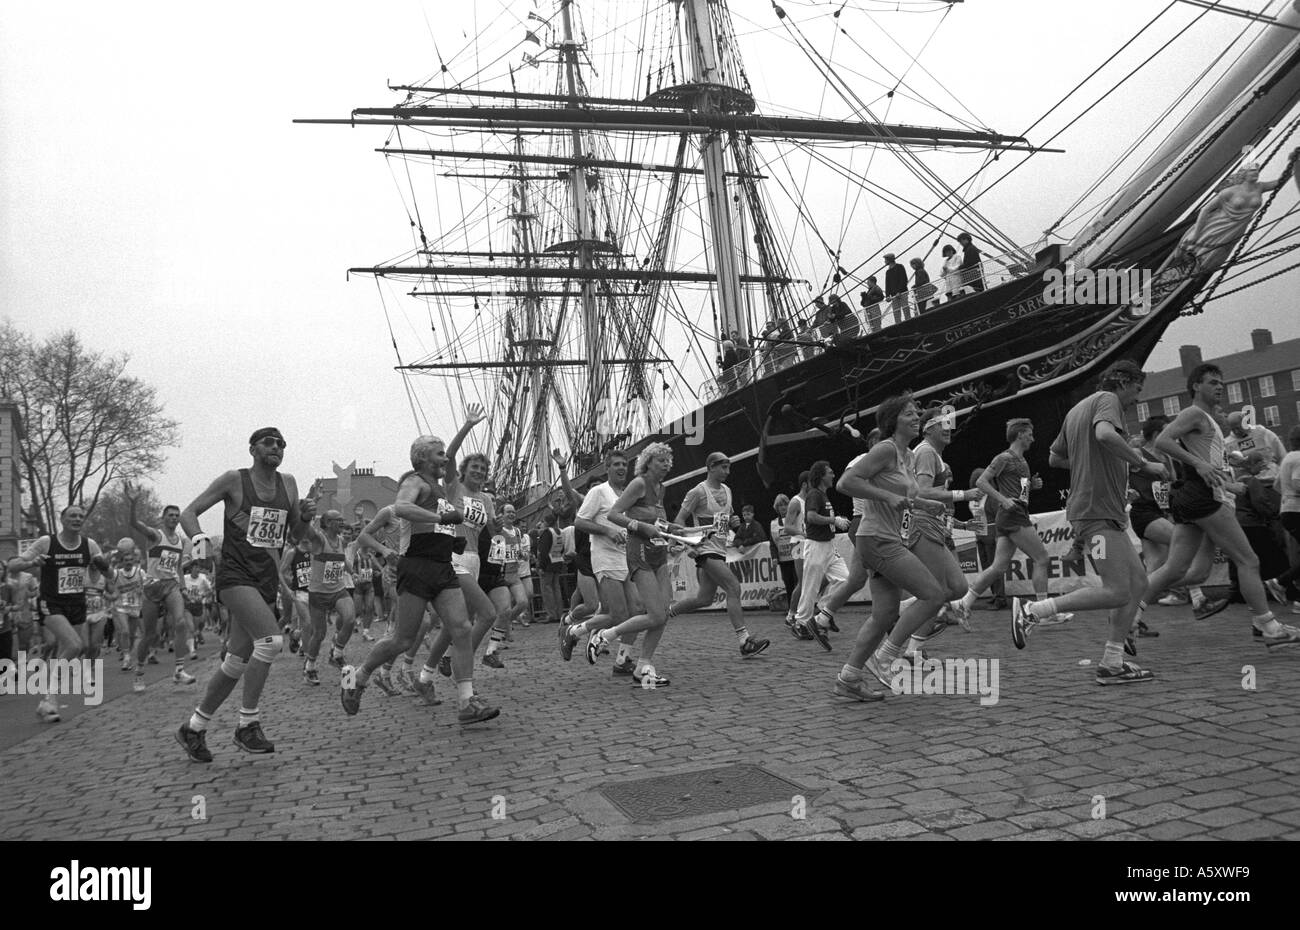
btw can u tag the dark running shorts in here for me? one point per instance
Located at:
(1191, 501)
(1011, 519)
(643, 556)
(1142, 517)
(425, 578)
(488, 582)
(583, 562)
(73, 609)
(324, 602)
(701, 559)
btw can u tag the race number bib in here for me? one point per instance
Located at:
(94, 602)
(333, 571)
(1160, 491)
(721, 522)
(1246, 444)
(169, 560)
(130, 599)
(499, 552)
(446, 529)
(905, 525)
(783, 546)
(303, 574)
(267, 527)
(474, 511)
(1024, 490)
(72, 579)
(947, 523)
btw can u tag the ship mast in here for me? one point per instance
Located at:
(578, 188)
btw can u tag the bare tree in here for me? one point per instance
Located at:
(86, 422)
(111, 518)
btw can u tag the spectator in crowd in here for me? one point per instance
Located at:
(1287, 485)
(872, 298)
(921, 286)
(983, 524)
(822, 313)
(1239, 440)
(971, 270)
(727, 355)
(896, 288)
(550, 564)
(951, 273)
(750, 532)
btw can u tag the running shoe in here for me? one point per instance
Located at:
(1056, 619)
(138, 685)
(1174, 599)
(1130, 644)
(401, 679)
(1276, 591)
(294, 641)
(351, 697)
(1021, 623)
(425, 691)
(153, 659)
(48, 712)
(568, 639)
(444, 666)
(1126, 674)
(626, 667)
(365, 635)
(881, 675)
(1209, 607)
(194, 742)
(594, 642)
(1145, 632)
(915, 656)
(649, 679)
(1287, 636)
(127, 664)
(194, 655)
(336, 657)
(857, 690)
(937, 626)
(183, 677)
(311, 676)
(252, 739)
(959, 612)
(493, 660)
(477, 710)
(800, 631)
(829, 621)
(819, 634)
(198, 639)
(753, 646)
(384, 683)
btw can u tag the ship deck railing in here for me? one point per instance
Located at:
(800, 344)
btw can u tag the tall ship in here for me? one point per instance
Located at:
(608, 247)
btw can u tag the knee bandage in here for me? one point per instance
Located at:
(266, 649)
(233, 666)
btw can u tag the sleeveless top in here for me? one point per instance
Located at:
(1152, 494)
(163, 560)
(649, 509)
(1209, 448)
(935, 527)
(130, 587)
(433, 541)
(327, 567)
(301, 566)
(254, 536)
(881, 519)
(476, 508)
(708, 510)
(63, 575)
(503, 554)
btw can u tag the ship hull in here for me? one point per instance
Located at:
(1000, 354)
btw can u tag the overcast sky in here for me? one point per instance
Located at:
(156, 196)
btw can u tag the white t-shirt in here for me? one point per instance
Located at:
(794, 518)
(1257, 437)
(197, 589)
(1288, 482)
(606, 555)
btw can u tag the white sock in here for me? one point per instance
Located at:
(624, 653)
(464, 691)
(969, 598)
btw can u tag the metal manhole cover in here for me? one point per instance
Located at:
(711, 791)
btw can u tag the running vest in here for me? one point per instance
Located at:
(63, 575)
(301, 566)
(96, 603)
(557, 544)
(431, 540)
(327, 568)
(718, 515)
(1152, 494)
(130, 589)
(882, 519)
(254, 536)
(1209, 449)
(503, 553)
(473, 504)
(163, 560)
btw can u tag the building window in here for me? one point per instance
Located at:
(1144, 412)
(1171, 406)
(1271, 416)
(1266, 386)
(1234, 392)
(1295, 380)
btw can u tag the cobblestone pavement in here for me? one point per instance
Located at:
(1196, 754)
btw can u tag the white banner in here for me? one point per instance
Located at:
(760, 576)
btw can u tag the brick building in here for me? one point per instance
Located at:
(1267, 376)
(358, 493)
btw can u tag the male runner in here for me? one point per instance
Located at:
(262, 513)
(326, 592)
(163, 608)
(708, 504)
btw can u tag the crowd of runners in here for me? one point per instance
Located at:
(447, 567)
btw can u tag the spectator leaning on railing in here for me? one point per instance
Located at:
(896, 288)
(972, 273)
(922, 289)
